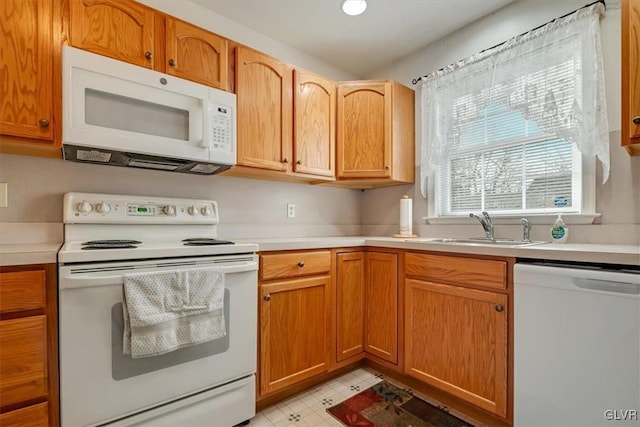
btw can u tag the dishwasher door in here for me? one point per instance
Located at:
(577, 347)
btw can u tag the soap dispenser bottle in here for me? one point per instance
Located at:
(559, 232)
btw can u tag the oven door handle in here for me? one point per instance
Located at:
(90, 280)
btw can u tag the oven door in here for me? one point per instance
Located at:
(99, 384)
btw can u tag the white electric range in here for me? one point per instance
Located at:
(108, 236)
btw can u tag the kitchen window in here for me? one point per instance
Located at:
(516, 129)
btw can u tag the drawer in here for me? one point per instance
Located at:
(31, 416)
(22, 290)
(457, 270)
(23, 359)
(280, 266)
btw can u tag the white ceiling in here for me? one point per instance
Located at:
(388, 30)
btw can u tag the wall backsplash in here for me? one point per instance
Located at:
(248, 207)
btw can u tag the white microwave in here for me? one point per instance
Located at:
(120, 114)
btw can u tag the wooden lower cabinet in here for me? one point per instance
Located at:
(381, 305)
(350, 288)
(295, 331)
(456, 340)
(28, 346)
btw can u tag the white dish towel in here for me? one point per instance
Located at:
(167, 310)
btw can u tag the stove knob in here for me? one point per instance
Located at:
(169, 210)
(84, 207)
(103, 208)
(193, 211)
(206, 211)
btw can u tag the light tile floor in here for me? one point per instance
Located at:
(310, 407)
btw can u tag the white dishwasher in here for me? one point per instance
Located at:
(577, 346)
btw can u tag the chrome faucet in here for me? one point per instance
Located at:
(525, 229)
(485, 222)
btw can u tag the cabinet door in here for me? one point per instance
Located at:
(31, 416)
(26, 67)
(456, 340)
(265, 108)
(631, 75)
(350, 304)
(120, 29)
(381, 305)
(294, 331)
(315, 124)
(23, 359)
(195, 54)
(364, 130)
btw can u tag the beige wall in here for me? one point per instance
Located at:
(618, 200)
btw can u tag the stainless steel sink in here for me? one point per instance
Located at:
(478, 241)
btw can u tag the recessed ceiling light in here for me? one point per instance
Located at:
(354, 7)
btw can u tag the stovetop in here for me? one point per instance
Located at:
(108, 227)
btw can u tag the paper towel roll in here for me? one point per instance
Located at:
(406, 221)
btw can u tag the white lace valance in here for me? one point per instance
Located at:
(553, 76)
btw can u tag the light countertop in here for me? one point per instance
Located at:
(28, 253)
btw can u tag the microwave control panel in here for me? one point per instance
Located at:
(222, 131)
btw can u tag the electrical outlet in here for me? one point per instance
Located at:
(291, 210)
(4, 197)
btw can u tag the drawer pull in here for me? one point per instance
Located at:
(43, 123)
(148, 55)
(300, 264)
(172, 62)
(499, 308)
(267, 297)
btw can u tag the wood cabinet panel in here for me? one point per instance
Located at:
(22, 290)
(23, 359)
(294, 331)
(265, 108)
(457, 270)
(364, 136)
(456, 339)
(279, 266)
(381, 305)
(31, 416)
(314, 124)
(195, 54)
(26, 69)
(350, 289)
(122, 30)
(631, 76)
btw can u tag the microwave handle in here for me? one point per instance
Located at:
(207, 133)
(198, 121)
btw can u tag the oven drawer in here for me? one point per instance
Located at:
(295, 264)
(22, 290)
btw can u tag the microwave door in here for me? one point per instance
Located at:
(116, 106)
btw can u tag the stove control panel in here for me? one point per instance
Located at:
(91, 208)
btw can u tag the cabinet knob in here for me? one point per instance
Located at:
(300, 264)
(267, 297)
(148, 55)
(636, 120)
(299, 162)
(499, 308)
(172, 62)
(43, 122)
(387, 167)
(285, 161)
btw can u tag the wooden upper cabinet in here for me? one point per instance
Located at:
(264, 103)
(381, 305)
(195, 54)
(26, 69)
(350, 290)
(375, 135)
(315, 122)
(122, 30)
(364, 138)
(631, 76)
(456, 340)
